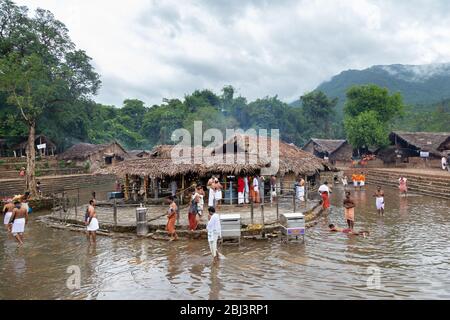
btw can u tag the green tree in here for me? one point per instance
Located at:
(319, 113)
(369, 114)
(365, 130)
(41, 73)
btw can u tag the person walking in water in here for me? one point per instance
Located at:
(379, 195)
(19, 219)
(345, 182)
(193, 211)
(403, 186)
(92, 223)
(214, 232)
(172, 214)
(325, 192)
(8, 209)
(349, 207)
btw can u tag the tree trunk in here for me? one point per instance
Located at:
(31, 161)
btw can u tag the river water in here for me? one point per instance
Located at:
(409, 249)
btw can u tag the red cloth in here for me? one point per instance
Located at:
(192, 221)
(241, 185)
(326, 200)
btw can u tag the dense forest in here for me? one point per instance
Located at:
(73, 115)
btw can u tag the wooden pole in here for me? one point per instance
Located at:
(231, 192)
(155, 184)
(145, 188)
(127, 188)
(295, 203)
(183, 186)
(115, 212)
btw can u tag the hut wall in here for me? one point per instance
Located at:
(309, 148)
(288, 182)
(343, 154)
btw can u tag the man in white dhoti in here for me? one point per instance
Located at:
(211, 192)
(92, 223)
(379, 195)
(8, 209)
(19, 219)
(300, 190)
(214, 232)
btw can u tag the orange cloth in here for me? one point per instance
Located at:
(326, 200)
(171, 223)
(193, 221)
(350, 214)
(257, 198)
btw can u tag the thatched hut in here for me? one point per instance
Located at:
(168, 163)
(43, 145)
(337, 152)
(415, 148)
(96, 155)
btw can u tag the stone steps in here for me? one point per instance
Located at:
(55, 184)
(431, 185)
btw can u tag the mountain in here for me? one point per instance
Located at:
(420, 85)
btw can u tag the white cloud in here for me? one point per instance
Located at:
(164, 49)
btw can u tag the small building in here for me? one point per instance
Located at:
(153, 175)
(415, 149)
(338, 152)
(43, 145)
(96, 155)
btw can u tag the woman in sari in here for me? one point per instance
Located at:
(172, 219)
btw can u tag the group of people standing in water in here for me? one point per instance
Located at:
(16, 217)
(359, 182)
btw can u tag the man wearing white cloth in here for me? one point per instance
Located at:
(379, 195)
(214, 232)
(92, 223)
(8, 212)
(212, 192)
(19, 219)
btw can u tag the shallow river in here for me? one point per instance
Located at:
(409, 249)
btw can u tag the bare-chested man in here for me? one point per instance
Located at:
(8, 209)
(19, 219)
(92, 223)
(379, 195)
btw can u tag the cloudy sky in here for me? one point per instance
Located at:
(164, 49)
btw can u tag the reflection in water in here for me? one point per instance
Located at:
(409, 245)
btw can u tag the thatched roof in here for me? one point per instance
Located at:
(138, 154)
(326, 145)
(82, 151)
(424, 141)
(39, 138)
(161, 164)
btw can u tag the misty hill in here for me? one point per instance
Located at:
(420, 85)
